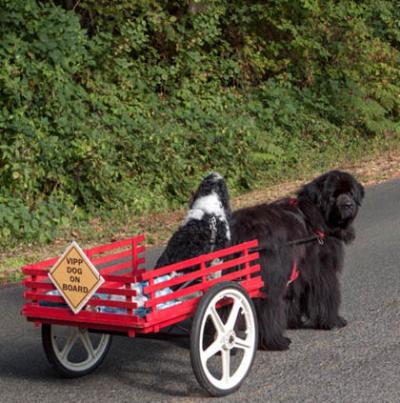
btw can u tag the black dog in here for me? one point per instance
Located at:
(302, 238)
(205, 227)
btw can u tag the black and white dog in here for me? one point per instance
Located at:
(206, 225)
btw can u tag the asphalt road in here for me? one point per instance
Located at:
(360, 363)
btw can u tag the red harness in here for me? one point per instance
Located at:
(319, 236)
(294, 275)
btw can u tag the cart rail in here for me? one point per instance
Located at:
(122, 264)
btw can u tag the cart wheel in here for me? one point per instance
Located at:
(73, 351)
(223, 340)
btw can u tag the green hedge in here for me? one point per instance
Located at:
(124, 105)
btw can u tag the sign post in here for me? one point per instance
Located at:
(75, 277)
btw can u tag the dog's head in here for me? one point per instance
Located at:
(212, 195)
(338, 195)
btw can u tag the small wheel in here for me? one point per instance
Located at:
(223, 340)
(73, 351)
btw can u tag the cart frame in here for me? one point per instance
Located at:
(121, 264)
(111, 261)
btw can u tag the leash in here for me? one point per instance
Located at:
(319, 237)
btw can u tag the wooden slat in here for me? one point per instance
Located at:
(200, 287)
(120, 285)
(105, 248)
(109, 258)
(106, 288)
(122, 278)
(183, 308)
(197, 260)
(186, 307)
(93, 301)
(84, 318)
(29, 270)
(93, 251)
(198, 273)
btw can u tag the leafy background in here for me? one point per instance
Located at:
(120, 107)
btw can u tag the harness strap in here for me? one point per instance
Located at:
(214, 230)
(294, 275)
(320, 237)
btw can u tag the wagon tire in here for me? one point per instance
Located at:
(228, 326)
(58, 356)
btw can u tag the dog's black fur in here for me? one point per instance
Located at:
(328, 204)
(206, 226)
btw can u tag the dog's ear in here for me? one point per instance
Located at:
(312, 193)
(359, 194)
(223, 194)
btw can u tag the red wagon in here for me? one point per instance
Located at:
(217, 296)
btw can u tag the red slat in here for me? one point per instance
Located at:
(32, 271)
(200, 287)
(117, 291)
(140, 261)
(106, 288)
(115, 245)
(107, 247)
(110, 258)
(93, 301)
(92, 251)
(129, 323)
(176, 310)
(38, 284)
(117, 267)
(197, 260)
(115, 256)
(37, 296)
(42, 265)
(84, 318)
(198, 273)
(186, 307)
(123, 278)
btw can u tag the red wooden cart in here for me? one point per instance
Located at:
(217, 295)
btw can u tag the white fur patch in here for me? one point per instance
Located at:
(194, 214)
(209, 204)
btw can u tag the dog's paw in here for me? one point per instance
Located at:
(295, 324)
(280, 344)
(340, 322)
(318, 325)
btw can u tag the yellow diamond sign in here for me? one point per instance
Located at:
(75, 277)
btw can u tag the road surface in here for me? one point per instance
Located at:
(359, 363)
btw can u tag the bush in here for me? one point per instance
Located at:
(125, 105)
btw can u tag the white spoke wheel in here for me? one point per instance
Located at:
(73, 351)
(223, 339)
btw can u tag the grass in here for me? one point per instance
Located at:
(10, 269)
(374, 166)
